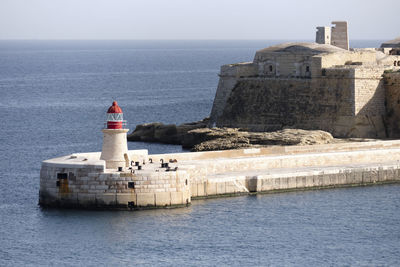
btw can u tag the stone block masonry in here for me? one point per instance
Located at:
(313, 86)
(69, 183)
(339, 35)
(392, 100)
(66, 184)
(346, 100)
(270, 104)
(336, 35)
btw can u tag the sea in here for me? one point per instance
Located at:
(53, 101)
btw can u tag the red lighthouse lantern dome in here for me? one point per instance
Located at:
(115, 117)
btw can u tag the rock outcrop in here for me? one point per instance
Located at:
(197, 137)
(164, 133)
(207, 139)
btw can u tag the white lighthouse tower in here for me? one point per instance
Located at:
(115, 146)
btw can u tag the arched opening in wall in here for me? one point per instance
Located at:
(269, 69)
(307, 72)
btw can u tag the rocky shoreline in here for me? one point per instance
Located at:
(198, 137)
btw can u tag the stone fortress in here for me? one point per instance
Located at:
(324, 85)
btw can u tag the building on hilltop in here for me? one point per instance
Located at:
(311, 86)
(392, 47)
(395, 43)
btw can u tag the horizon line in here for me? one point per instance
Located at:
(151, 39)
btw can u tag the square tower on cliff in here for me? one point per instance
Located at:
(336, 35)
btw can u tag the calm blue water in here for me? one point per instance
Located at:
(53, 99)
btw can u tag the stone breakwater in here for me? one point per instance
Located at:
(82, 181)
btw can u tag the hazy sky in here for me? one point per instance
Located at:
(189, 19)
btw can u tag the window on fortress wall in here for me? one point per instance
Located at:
(307, 72)
(269, 70)
(62, 175)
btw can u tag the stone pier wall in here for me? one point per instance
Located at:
(89, 186)
(205, 172)
(296, 179)
(71, 181)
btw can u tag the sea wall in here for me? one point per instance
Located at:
(262, 104)
(65, 183)
(75, 181)
(202, 174)
(296, 179)
(347, 102)
(229, 74)
(242, 171)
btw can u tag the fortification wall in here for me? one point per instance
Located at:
(392, 96)
(369, 104)
(283, 64)
(229, 76)
(225, 86)
(365, 56)
(347, 101)
(369, 91)
(261, 104)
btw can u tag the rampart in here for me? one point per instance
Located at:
(392, 86)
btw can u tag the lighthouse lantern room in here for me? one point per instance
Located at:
(115, 146)
(115, 117)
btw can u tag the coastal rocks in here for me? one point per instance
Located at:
(197, 137)
(230, 138)
(164, 133)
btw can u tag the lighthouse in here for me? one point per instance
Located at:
(115, 146)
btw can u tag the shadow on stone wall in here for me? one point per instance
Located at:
(370, 119)
(392, 102)
(326, 104)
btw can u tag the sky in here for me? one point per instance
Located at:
(190, 19)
